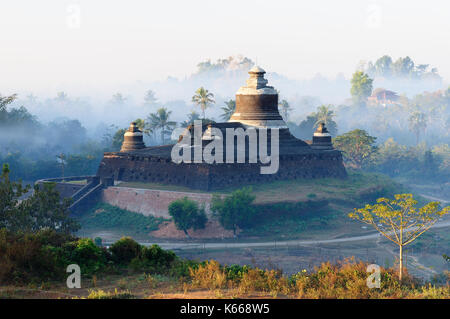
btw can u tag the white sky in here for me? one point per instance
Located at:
(42, 48)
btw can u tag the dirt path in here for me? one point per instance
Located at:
(168, 245)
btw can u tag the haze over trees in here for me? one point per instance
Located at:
(34, 130)
(285, 109)
(417, 124)
(159, 121)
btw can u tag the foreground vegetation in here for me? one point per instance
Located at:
(35, 266)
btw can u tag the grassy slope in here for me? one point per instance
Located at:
(307, 208)
(109, 218)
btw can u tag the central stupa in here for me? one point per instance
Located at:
(257, 103)
(256, 108)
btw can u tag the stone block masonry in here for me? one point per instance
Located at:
(150, 202)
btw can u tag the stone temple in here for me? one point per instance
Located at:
(257, 115)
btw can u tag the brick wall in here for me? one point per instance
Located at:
(149, 201)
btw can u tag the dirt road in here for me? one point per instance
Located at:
(174, 246)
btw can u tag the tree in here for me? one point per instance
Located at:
(42, 210)
(228, 109)
(160, 121)
(142, 125)
(45, 210)
(118, 99)
(403, 67)
(187, 214)
(234, 210)
(10, 192)
(383, 66)
(358, 147)
(118, 138)
(361, 88)
(324, 115)
(4, 101)
(193, 116)
(417, 124)
(285, 109)
(399, 220)
(150, 98)
(203, 98)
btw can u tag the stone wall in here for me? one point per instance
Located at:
(151, 169)
(149, 201)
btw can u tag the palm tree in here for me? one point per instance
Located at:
(193, 116)
(417, 123)
(284, 108)
(160, 121)
(228, 109)
(142, 125)
(203, 98)
(324, 115)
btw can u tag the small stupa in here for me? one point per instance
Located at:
(133, 139)
(322, 138)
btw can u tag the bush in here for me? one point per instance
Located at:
(124, 250)
(100, 294)
(24, 257)
(82, 252)
(236, 272)
(158, 258)
(154, 259)
(209, 275)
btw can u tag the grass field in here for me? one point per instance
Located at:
(354, 187)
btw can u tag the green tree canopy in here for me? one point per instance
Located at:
(187, 214)
(160, 121)
(234, 210)
(361, 88)
(357, 146)
(42, 210)
(203, 98)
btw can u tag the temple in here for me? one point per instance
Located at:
(257, 117)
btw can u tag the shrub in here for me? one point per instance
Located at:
(158, 258)
(260, 280)
(100, 294)
(235, 272)
(82, 252)
(154, 259)
(24, 258)
(124, 250)
(347, 279)
(209, 275)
